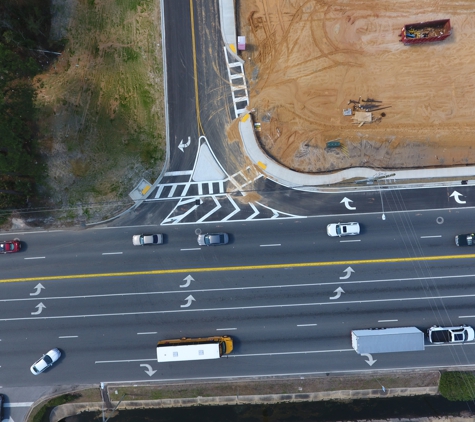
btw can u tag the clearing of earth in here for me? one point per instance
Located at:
(306, 60)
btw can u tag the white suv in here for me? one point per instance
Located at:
(440, 335)
(343, 229)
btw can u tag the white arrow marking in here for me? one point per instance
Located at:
(189, 299)
(38, 288)
(182, 146)
(347, 203)
(338, 292)
(149, 370)
(188, 280)
(348, 272)
(370, 360)
(456, 195)
(40, 307)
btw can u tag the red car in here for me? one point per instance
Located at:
(10, 246)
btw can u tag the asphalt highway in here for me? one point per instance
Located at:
(275, 289)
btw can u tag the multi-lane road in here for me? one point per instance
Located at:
(287, 293)
(284, 292)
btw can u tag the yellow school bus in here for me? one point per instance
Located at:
(186, 348)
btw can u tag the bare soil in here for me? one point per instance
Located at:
(305, 59)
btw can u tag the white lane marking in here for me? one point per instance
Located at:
(39, 231)
(36, 257)
(191, 249)
(126, 227)
(144, 334)
(68, 336)
(19, 404)
(429, 237)
(282, 286)
(356, 240)
(179, 173)
(303, 352)
(388, 320)
(225, 329)
(306, 325)
(112, 253)
(273, 244)
(242, 308)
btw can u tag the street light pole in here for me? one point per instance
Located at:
(382, 205)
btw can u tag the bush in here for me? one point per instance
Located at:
(457, 386)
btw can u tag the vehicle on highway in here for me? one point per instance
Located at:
(10, 246)
(183, 349)
(465, 239)
(213, 239)
(45, 361)
(460, 334)
(343, 229)
(387, 340)
(147, 239)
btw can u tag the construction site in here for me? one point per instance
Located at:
(338, 84)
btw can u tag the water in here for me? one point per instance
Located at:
(382, 408)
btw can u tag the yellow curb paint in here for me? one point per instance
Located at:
(245, 117)
(232, 47)
(242, 268)
(262, 165)
(145, 189)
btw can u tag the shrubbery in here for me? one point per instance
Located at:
(457, 386)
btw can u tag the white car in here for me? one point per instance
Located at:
(460, 334)
(213, 239)
(343, 229)
(46, 361)
(147, 239)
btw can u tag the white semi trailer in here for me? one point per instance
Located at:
(387, 340)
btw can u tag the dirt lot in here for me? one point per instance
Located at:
(306, 59)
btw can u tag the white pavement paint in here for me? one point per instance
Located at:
(388, 320)
(429, 237)
(306, 325)
(229, 289)
(112, 253)
(243, 308)
(144, 334)
(274, 244)
(347, 241)
(226, 329)
(191, 249)
(68, 336)
(36, 257)
(19, 404)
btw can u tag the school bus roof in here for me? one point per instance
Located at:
(188, 352)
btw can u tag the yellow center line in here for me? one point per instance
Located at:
(242, 268)
(195, 70)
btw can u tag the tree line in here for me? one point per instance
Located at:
(24, 29)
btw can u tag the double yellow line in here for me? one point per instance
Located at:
(243, 268)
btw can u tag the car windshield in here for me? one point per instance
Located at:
(48, 360)
(459, 336)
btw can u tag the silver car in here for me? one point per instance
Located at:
(147, 239)
(213, 239)
(45, 361)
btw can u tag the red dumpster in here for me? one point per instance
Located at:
(418, 33)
